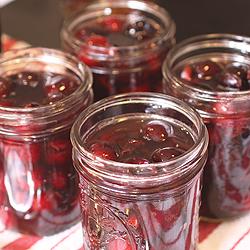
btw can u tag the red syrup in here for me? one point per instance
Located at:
(27, 89)
(149, 140)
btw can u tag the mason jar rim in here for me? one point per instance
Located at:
(41, 54)
(187, 161)
(45, 118)
(206, 41)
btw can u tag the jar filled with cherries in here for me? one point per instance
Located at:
(42, 91)
(212, 73)
(140, 158)
(123, 42)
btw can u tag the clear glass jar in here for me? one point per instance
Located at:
(132, 205)
(124, 47)
(39, 185)
(225, 108)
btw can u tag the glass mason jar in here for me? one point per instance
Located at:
(137, 203)
(39, 185)
(211, 73)
(124, 47)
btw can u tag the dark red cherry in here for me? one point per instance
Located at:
(166, 154)
(206, 69)
(26, 78)
(140, 29)
(59, 151)
(187, 73)
(60, 84)
(154, 131)
(6, 86)
(5, 102)
(106, 150)
(98, 40)
(59, 179)
(233, 77)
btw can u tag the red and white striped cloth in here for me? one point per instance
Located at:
(70, 239)
(10, 43)
(229, 235)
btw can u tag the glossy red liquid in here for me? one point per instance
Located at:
(28, 89)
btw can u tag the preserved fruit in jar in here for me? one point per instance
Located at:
(41, 93)
(213, 76)
(124, 47)
(140, 166)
